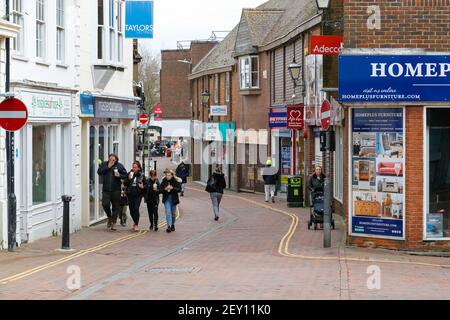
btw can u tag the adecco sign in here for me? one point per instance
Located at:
(394, 78)
(328, 45)
(139, 19)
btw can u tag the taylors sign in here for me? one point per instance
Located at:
(139, 19)
(394, 78)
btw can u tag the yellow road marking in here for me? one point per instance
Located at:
(283, 248)
(78, 254)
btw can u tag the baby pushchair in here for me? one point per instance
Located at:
(317, 210)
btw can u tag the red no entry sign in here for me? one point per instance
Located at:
(325, 114)
(143, 118)
(13, 114)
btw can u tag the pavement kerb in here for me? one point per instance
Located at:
(285, 241)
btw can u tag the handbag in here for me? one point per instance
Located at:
(211, 185)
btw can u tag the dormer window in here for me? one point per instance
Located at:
(249, 72)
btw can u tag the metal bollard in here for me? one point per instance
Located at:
(66, 223)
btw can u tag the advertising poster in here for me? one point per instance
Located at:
(378, 173)
(285, 164)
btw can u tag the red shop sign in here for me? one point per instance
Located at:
(295, 119)
(328, 45)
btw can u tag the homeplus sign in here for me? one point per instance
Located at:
(139, 19)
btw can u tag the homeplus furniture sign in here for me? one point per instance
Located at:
(398, 78)
(139, 19)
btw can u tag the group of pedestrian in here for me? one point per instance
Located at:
(122, 189)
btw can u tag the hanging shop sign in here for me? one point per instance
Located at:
(87, 103)
(277, 120)
(394, 78)
(295, 117)
(218, 111)
(327, 45)
(115, 109)
(139, 19)
(43, 104)
(378, 169)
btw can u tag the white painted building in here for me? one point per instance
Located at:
(73, 68)
(108, 104)
(47, 149)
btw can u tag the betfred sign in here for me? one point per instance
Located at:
(327, 45)
(295, 118)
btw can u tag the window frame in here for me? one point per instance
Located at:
(18, 18)
(216, 88)
(41, 26)
(100, 30)
(60, 31)
(120, 37)
(227, 87)
(246, 76)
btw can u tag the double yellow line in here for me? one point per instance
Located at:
(283, 248)
(76, 255)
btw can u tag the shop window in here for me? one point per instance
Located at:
(41, 164)
(249, 72)
(438, 213)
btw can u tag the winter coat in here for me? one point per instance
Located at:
(219, 182)
(132, 185)
(270, 175)
(316, 184)
(176, 184)
(111, 183)
(152, 196)
(183, 172)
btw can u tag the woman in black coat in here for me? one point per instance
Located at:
(135, 188)
(215, 187)
(170, 188)
(317, 181)
(152, 191)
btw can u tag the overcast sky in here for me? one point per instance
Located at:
(177, 20)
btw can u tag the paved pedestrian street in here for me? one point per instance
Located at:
(255, 251)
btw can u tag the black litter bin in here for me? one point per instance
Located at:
(295, 192)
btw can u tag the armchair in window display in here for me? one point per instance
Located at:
(388, 145)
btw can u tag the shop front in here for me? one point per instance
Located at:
(107, 127)
(398, 157)
(47, 162)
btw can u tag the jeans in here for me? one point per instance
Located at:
(183, 187)
(111, 199)
(216, 198)
(270, 191)
(171, 211)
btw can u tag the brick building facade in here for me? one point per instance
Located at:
(407, 27)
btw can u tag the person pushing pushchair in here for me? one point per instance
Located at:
(316, 186)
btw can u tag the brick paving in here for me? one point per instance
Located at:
(235, 258)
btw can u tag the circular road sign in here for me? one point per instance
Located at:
(13, 114)
(143, 118)
(325, 114)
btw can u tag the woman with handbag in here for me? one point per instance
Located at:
(215, 187)
(135, 188)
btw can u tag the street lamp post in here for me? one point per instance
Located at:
(295, 70)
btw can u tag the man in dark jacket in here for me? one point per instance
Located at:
(270, 175)
(183, 172)
(112, 172)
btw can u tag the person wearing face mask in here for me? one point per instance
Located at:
(170, 188)
(135, 188)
